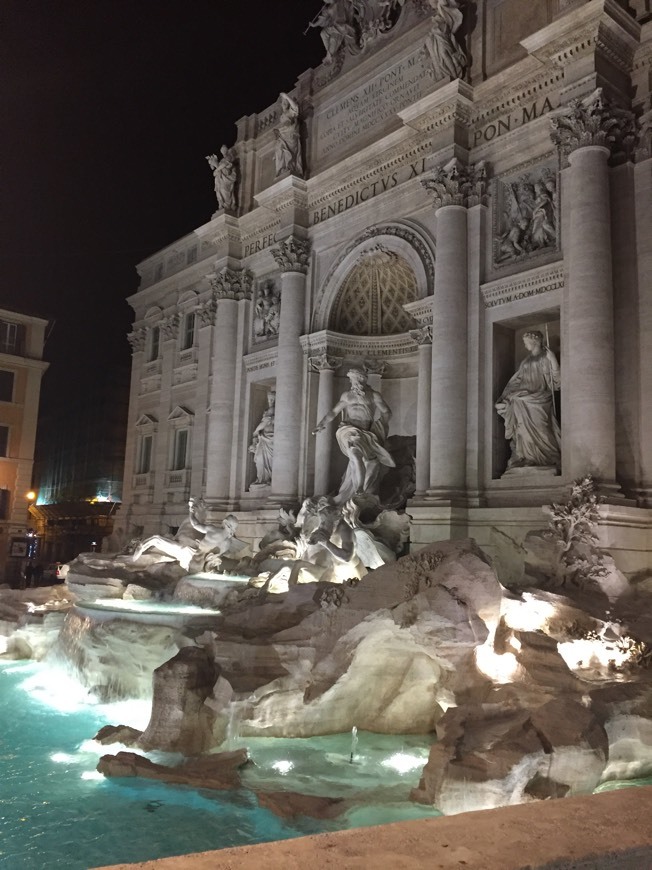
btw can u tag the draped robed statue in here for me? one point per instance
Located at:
(527, 405)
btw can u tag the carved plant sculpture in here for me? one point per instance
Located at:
(572, 527)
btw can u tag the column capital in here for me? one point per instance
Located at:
(170, 327)
(292, 254)
(324, 362)
(593, 121)
(232, 283)
(206, 311)
(137, 338)
(455, 183)
(422, 335)
(375, 366)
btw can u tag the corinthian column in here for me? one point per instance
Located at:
(230, 287)
(423, 337)
(585, 131)
(292, 256)
(326, 366)
(453, 186)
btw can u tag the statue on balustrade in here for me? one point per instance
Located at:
(442, 46)
(336, 21)
(262, 445)
(288, 139)
(361, 437)
(225, 173)
(527, 405)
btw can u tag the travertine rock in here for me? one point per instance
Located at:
(180, 720)
(218, 771)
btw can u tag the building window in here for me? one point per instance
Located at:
(188, 334)
(5, 497)
(11, 337)
(6, 386)
(145, 454)
(180, 449)
(154, 343)
(4, 440)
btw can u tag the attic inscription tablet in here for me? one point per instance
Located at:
(366, 108)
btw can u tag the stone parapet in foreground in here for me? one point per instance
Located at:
(611, 831)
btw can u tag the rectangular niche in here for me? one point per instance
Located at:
(258, 404)
(508, 353)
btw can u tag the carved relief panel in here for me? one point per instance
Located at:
(267, 310)
(526, 215)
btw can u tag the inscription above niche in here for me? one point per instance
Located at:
(526, 215)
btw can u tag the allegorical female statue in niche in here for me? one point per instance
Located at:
(262, 445)
(527, 405)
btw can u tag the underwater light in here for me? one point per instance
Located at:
(282, 767)
(62, 758)
(92, 774)
(402, 762)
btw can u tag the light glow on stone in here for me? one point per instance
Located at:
(528, 613)
(282, 767)
(591, 652)
(499, 668)
(403, 762)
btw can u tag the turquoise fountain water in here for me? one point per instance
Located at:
(57, 811)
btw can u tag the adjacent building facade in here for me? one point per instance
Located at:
(21, 369)
(454, 183)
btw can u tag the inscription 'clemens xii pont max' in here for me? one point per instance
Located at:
(369, 105)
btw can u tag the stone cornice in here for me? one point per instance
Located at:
(522, 286)
(232, 284)
(599, 24)
(448, 105)
(292, 254)
(289, 192)
(593, 121)
(421, 310)
(223, 228)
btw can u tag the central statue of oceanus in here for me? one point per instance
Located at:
(361, 436)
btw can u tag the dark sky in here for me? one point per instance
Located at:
(107, 109)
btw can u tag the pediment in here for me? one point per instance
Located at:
(179, 414)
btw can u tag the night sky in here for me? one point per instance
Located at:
(108, 109)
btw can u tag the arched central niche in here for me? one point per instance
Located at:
(365, 288)
(371, 297)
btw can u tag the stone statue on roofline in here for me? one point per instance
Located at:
(225, 173)
(361, 436)
(287, 154)
(527, 405)
(446, 53)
